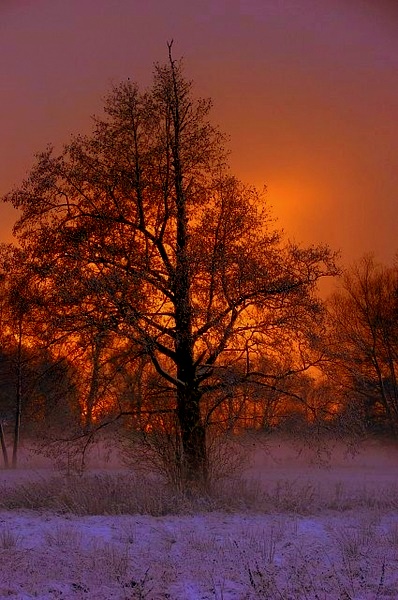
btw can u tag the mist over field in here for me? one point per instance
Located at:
(298, 522)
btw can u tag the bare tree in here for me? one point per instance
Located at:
(364, 341)
(142, 224)
(3, 336)
(13, 334)
(33, 380)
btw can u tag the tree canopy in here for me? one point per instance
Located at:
(139, 232)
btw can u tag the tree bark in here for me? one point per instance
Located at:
(193, 437)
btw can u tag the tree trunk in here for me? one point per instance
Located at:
(18, 400)
(193, 437)
(92, 395)
(3, 445)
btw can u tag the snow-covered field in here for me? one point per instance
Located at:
(293, 530)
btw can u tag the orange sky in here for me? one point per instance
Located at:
(307, 90)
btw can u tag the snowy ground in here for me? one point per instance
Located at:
(318, 533)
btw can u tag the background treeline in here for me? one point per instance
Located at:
(64, 385)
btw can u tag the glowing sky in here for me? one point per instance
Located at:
(307, 90)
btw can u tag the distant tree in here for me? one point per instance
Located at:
(3, 335)
(364, 342)
(33, 382)
(141, 227)
(14, 330)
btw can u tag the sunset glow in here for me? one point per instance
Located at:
(199, 306)
(307, 95)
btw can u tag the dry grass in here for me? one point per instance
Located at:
(289, 534)
(251, 568)
(8, 539)
(125, 493)
(67, 537)
(102, 494)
